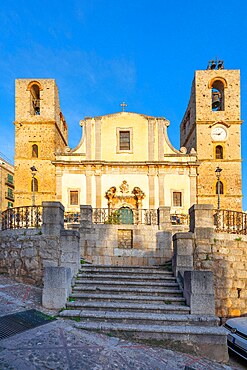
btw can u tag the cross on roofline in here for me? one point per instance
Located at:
(123, 105)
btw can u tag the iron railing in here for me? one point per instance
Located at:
(22, 218)
(125, 216)
(230, 221)
(180, 219)
(72, 217)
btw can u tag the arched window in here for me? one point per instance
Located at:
(34, 184)
(35, 99)
(35, 151)
(221, 188)
(217, 95)
(219, 152)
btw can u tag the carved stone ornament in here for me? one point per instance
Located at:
(124, 187)
(183, 150)
(117, 199)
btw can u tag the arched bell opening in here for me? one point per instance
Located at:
(217, 96)
(35, 99)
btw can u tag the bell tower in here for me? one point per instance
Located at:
(40, 132)
(212, 126)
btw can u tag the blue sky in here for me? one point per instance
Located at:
(102, 52)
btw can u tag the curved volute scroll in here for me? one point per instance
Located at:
(139, 196)
(123, 197)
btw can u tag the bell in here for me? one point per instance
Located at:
(213, 65)
(216, 100)
(220, 64)
(36, 103)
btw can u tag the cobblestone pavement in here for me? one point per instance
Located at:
(58, 345)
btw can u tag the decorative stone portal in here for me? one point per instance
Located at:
(123, 197)
(125, 239)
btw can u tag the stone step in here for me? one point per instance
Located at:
(122, 306)
(101, 289)
(121, 270)
(128, 298)
(208, 341)
(116, 267)
(94, 282)
(142, 277)
(141, 318)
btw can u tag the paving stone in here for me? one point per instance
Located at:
(59, 345)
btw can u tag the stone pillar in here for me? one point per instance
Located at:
(193, 177)
(53, 218)
(59, 184)
(161, 178)
(98, 188)
(161, 139)
(97, 138)
(164, 218)
(202, 220)
(88, 129)
(89, 187)
(151, 185)
(151, 123)
(199, 292)
(70, 250)
(182, 253)
(57, 286)
(86, 217)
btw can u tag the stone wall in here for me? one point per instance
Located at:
(223, 254)
(137, 245)
(150, 246)
(25, 253)
(226, 256)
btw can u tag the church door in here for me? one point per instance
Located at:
(126, 215)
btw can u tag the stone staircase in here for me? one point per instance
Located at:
(144, 304)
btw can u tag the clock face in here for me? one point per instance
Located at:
(219, 133)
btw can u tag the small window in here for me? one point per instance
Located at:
(221, 188)
(74, 197)
(10, 204)
(177, 199)
(34, 184)
(10, 193)
(219, 152)
(35, 151)
(10, 179)
(124, 140)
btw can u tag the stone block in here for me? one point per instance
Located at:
(201, 216)
(57, 283)
(53, 218)
(199, 292)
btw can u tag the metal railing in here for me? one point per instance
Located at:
(72, 217)
(230, 222)
(179, 219)
(125, 216)
(22, 217)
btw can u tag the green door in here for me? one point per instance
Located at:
(126, 215)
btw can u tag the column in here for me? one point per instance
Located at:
(89, 188)
(97, 139)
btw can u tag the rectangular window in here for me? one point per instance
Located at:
(10, 193)
(10, 204)
(10, 179)
(124, 140)
(177, 199)
(74, 197)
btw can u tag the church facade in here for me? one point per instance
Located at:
(125, 160)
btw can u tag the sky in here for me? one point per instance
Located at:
(103, 52)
